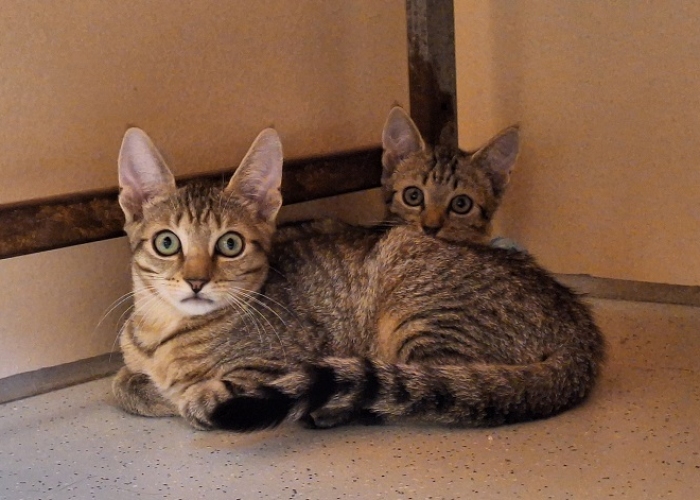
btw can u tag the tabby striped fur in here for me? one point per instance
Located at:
(330, 328)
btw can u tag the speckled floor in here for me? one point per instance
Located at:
(637, 437)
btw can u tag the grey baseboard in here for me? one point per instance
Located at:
(636, 291)
(49, 379)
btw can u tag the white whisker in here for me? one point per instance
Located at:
(113, 306)
(243, 307)
(252, 298)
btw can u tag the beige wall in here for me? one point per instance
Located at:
(57, 306)
(608, 94)
(202, 77)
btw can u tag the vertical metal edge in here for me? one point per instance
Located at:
(432, 69)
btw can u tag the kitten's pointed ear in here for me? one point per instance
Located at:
(143, 175)
(499, 156)
(258, 178)
(400, 138)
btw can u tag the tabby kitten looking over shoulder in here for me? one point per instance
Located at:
(450, 194)
(232, 331)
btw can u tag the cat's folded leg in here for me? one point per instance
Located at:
(135, 393)
(239, 405)
(240, 399)
(223, 404)
(201, 399)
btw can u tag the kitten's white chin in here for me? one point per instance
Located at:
(197, 306)
(180, 300)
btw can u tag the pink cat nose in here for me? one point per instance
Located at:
(197, 284)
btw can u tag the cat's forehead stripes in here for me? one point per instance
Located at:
(205, 205)
(448, 168)
(200, 203)
(442, 171)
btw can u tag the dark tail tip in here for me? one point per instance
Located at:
(252, 413)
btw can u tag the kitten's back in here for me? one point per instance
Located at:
(417, 327)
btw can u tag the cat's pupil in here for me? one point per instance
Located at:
(230, 244)
(167, 242)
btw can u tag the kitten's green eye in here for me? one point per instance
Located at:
(461, 204)
(166, 243)
(412, 196)
(230, 244)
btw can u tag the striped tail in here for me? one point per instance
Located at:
(336, 390)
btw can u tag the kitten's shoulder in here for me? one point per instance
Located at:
(411, 240)
(297, 230)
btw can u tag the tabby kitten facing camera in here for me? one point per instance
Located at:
(450, 194)
(233, 331)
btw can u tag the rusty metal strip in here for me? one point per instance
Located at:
(42, 225)
(431, 66)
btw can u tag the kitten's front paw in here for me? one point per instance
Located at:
(135, 393)
(257, 409)
(217, 404)
(201, 400)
